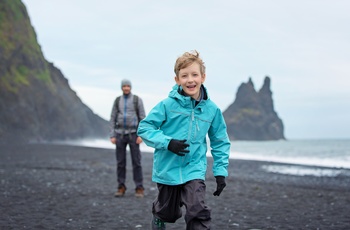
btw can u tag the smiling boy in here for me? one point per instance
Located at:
(177, 128)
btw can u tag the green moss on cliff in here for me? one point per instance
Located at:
(44, 76)
(20, 75)
(21, 57)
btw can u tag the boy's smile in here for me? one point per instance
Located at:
(191, 79)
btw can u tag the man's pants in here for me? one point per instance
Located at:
(122, 142)
(167, 206)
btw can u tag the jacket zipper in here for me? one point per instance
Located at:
(189, 140)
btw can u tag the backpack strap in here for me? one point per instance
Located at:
(116, 104)
(136, 106)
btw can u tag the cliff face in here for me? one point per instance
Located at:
(36, 101)
(252, 115)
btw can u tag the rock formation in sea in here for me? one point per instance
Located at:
(252, 116)
(36, 101)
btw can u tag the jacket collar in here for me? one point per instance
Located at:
(178, 94)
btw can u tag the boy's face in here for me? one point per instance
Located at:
(191, 79)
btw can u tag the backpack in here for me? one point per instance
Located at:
(136, 106)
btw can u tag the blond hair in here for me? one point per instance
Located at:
(187, 59)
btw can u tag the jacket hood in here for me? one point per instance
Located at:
(178, 94)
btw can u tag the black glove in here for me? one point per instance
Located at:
(220, 185)
(178, 147)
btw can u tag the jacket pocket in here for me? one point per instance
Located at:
(200, 129)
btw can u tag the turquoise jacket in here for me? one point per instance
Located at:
(177, 117)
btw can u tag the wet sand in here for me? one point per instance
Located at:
(68, 187)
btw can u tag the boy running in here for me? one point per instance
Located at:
(177, 128)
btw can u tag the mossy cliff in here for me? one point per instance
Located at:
(252, 116)
(36, 101)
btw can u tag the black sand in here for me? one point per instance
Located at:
(66, 187)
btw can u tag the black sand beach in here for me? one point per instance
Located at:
(68, 187)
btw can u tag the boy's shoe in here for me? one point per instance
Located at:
(157, 224)
(120, 192)
(139, 192)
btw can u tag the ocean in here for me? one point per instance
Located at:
(331, 157)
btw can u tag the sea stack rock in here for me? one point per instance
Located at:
(252, 116)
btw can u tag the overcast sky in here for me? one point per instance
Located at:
(304, 46)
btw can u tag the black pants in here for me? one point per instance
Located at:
(122, 142)
(167, 206)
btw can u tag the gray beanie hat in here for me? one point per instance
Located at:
(126, 82)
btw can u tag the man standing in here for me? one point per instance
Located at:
(126, 114)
